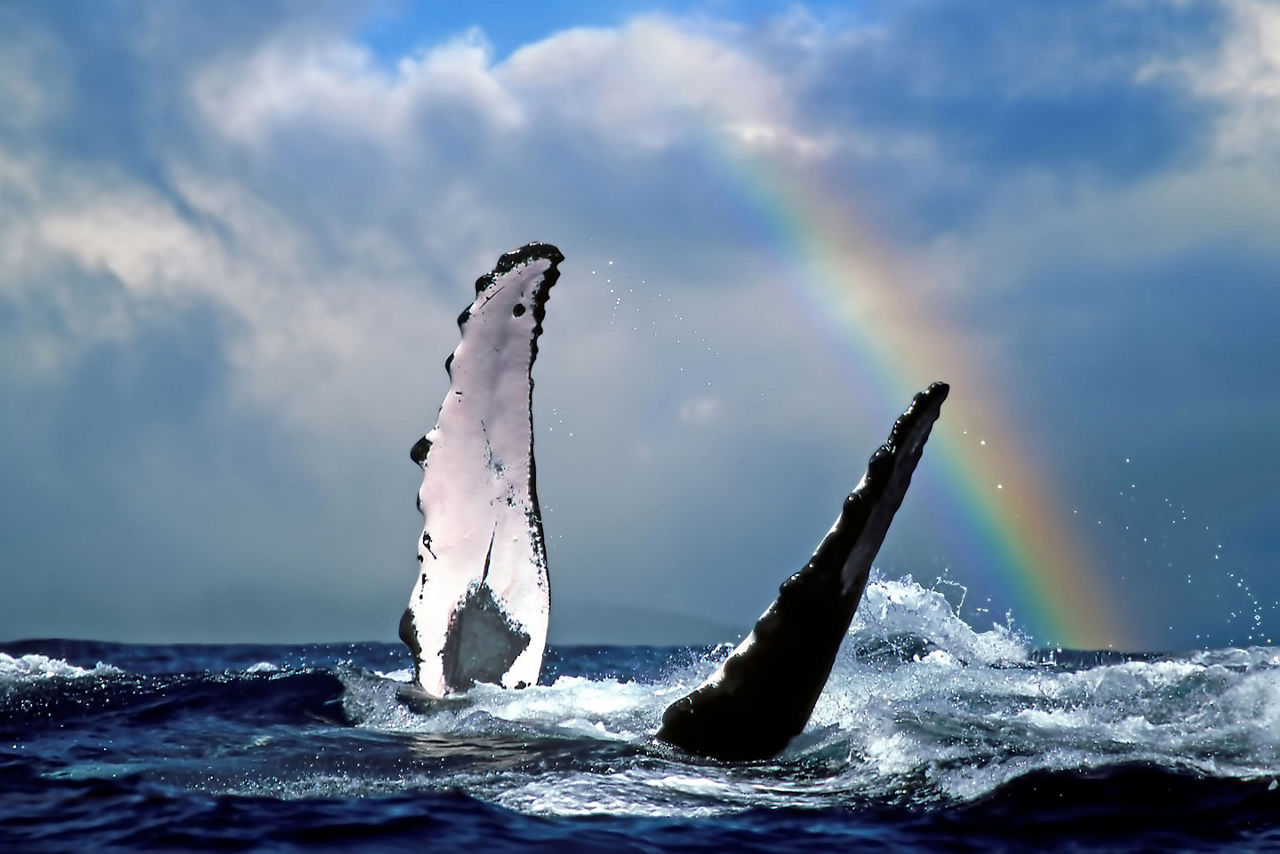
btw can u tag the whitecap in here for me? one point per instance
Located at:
(34, 667)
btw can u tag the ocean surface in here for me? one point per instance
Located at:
(931, 735)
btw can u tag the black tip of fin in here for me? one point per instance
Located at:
(510, 260)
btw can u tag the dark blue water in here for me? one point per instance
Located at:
(930, 736)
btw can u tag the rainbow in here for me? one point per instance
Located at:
(1009, 529)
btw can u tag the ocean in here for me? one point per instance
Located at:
(931, 735)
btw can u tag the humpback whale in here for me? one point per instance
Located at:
(480, 606)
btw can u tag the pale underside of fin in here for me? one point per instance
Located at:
(480, 606)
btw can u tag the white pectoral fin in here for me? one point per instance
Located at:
(481, 608)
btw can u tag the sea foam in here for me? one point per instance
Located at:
(32, 667)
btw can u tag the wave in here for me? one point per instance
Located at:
(921, 711)
(1126, 807)
(920, 707)
(33, 667)
(59, 694)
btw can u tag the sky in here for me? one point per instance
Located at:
(235, 237)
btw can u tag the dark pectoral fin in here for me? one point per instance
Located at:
(766, 691)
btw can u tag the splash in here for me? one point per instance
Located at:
(37, 668)
(920, 705)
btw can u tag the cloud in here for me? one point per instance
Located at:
(257, 233)
(1242, 77)
(32, 86)
(699, 410)
(654, 82)
(336, 87)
